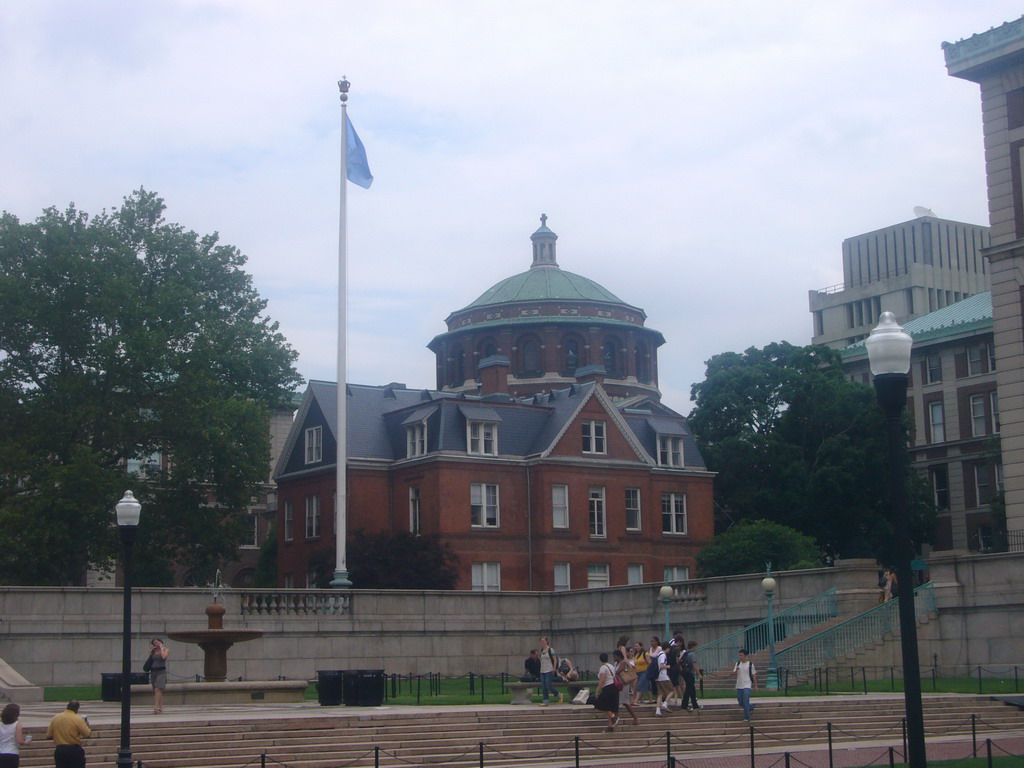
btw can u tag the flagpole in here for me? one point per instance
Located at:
(340, 579)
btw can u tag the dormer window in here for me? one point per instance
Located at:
(670, 451)
(482, 438)
(416, 439)
(314, 445)
(593, 437)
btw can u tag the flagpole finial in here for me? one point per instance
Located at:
(343, 85)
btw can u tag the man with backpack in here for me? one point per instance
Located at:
(690, 671)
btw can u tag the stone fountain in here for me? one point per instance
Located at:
(215, 641)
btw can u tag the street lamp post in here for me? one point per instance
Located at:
(128, 512)
(889, 355)
(768, 584)
(665, 594)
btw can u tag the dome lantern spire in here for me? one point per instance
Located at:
(544, 245)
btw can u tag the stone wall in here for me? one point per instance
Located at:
(62, 636)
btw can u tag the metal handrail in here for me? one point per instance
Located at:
(791, 621)
(806, 655)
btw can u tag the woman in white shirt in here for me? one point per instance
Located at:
(11, 737)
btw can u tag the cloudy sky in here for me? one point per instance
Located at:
(703, 160)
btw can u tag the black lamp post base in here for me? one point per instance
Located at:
(124, 758)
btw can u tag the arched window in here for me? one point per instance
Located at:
(571, 359)
(529, 357)
(457, 369)
(488, 348)
(643, 369)
(609, 356)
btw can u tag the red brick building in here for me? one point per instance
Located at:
(545, 459)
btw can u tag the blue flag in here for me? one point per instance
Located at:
(356, 168)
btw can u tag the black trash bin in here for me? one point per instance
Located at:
(329, 687)
(110, 683)
(364, 687)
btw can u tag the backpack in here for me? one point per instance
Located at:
(882, 581)
(563, 667)
(654, 668)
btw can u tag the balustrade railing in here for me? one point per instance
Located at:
(803, 657)
(795, 620)
(283, 602)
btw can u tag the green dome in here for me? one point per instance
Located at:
(544, 283)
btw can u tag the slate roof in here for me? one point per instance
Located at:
(377, 419)
(969, 316)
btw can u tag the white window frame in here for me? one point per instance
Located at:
(673, 514)
(991, 357)
(635, 573)
(144, 465)
(634, 521)
(594, 436)
(311, 578)
(312, 517)
(562, 577)
(416, 439)
(314, 445)
(289, 520)
(598, 512)
(993, 397)
(415, 503)
(486, 577)
(482, 438)
(933, 366)
(979, 425)
(935, 474)
(677, 573)
(976, 354)
(484, 505)
(670, 451)
(559, 506)
(252, 531)
(598, 575)
(989, 474)
(937, 421)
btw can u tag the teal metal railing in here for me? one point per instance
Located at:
(721, 653)
(817, 651)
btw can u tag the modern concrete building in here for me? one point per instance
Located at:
(909, 269)
(955, 409)
(995, 60)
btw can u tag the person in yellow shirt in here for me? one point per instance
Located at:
(643, 683)
(67, 731)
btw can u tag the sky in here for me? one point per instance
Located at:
(701, 160)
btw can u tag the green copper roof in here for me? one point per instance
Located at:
(544, 283)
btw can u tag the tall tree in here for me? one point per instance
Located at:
(750, 544)
(797, 443)
(124, 337)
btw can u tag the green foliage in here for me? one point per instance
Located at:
(747, 546)
(400, 561)
(797, 443)
(124, 336)
(266, 565)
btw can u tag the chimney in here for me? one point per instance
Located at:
(493, 375)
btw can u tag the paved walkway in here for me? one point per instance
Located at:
(814, 755)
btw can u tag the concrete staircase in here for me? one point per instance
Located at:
(517, 736)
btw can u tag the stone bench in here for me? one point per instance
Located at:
(236, 692)
(521, 692)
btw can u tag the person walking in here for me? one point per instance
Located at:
(548, 665)
(67, 731)
(607, 692)
(626, 673)
(156, 665)
(659, 660)
(746, 680)
(690, 671)
(642, 687)
(11, 737)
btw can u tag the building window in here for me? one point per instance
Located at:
(593, 437)
(314, 445)
(144, 465)
(483, 505)
(934, 364)
(991, 356)
(416, 439)
(978, 421)
(414, 510)
(670, 451)
(486, 577)
(289, 520)
(561, 577)
(999, 477)
(597, 575)
(994, 400)
(572, 356)
(937, 420)
(677, 573)
(252, 531)
(312, 517)
(635, 573)
(482, 437)
(977, 358)
(289, 581)
(940, 486)
(597, 512)
(673, 513)
(983, 486)
(560, 506)
(632, 509)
